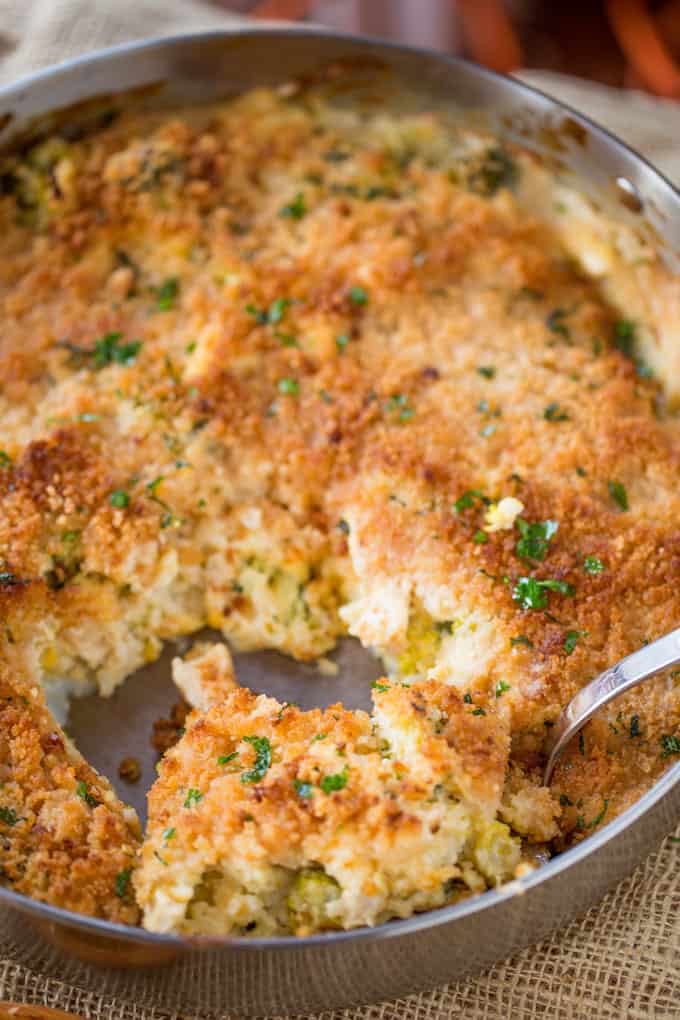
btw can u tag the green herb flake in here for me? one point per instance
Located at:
(5, 460)
(70, 536)
(618, 493)
(497, 170)
(553, 412)
(488, 371)
(166, 294)
(625, 337)
(287, 339)
(336, 781)
(564, 801)
(596, 821)
(488, 430)
(580, 471)
(296, 209)
(521, 639)
(535, 536)
(277, 310)
(343, 526)
(635, 726)
(556, 324)
(122, 882)
(669, 745)
(593, 565)
(224, 759)
(532, 593)
(168, 835)
(468, 499)
(9, 816)
(501, 688)
(303, 790)
(263, 759)
(193, 797)
(108, 350)
(480, 537)
(398, 405)
(358, 296)
(119, 499)
(380, 687)
(290, 387)
(84, 794)
(479, 711)
(467, 698)
(341, 342)
(571, 640)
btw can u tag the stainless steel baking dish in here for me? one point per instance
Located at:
(279, 975)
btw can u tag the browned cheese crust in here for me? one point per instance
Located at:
(272, 367)
(65, 838)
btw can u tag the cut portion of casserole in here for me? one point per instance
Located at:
(269, 820)
(65, 837)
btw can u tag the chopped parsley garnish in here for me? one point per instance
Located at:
(398, 404)
(669, 745)
(479, 711)
(488, 371)
(624, 337)
(467, 698)
(480, 537)
(593, 565)
(319, 736)
(296, 209)
(70, 536)
(533, 545)
(556, 324)
(533, 594)
(108, 350)
(467, 500)
(119, 498)
(381, 688)
(336, 781)
(335, 156)
(277, 310)
(521, 639)
(571, 640)
(343, 526)
(8, 579)
(580, 471)
(341, 342)
(488, 430)
(166, 294)
(272, 315)
(9, 816)
(263, 759)
(303, 790)
(169, 834)
(193, 797)
(635, 726)
(5, 460)
(564, 801)
(287, 339)
(123, 881)
(358, 296)
(582, 824)
(84, 794)
(501, 688)
(497, 170)
(224, 759)
(290, 387)
(553, 412)
(618, 493)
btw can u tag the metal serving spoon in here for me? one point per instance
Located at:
(632, 670)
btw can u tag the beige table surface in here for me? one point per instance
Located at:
(622, 960)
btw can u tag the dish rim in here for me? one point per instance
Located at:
(481, 901)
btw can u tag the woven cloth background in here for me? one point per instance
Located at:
(622, 960)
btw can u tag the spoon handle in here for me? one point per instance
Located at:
(632, 670)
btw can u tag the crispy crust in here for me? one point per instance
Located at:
(253, 356)
(65, 838)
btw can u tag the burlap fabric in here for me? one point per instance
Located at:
(622, 960)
